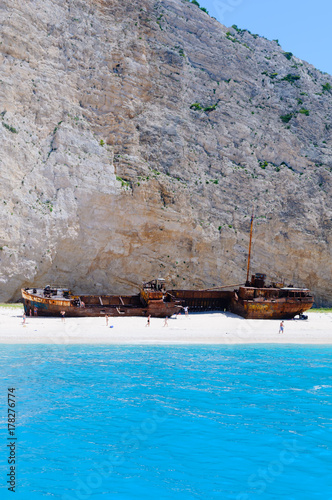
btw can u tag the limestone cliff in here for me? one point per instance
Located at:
(136, 138)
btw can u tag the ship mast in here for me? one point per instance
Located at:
(248, 267)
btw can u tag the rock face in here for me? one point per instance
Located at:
(136, 139)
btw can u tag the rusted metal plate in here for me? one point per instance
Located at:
(283, 308)
(203, 300)
(98, 305)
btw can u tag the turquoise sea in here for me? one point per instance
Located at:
(168, 422)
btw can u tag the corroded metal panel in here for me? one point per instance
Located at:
(98, 305)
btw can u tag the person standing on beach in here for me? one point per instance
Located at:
(23, 318)
(63, 316)
(106, 318)
(148, 321)
(166, 321)
(281, 327)
(186, 311)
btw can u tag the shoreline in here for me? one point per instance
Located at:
(197, 329)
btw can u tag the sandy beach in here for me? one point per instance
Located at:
(198, 328)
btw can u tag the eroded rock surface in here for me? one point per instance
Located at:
(136, 139)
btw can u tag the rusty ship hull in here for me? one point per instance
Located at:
(204, 300)
(147, 303)
(255, 300)
(249, 302)
(270, 303)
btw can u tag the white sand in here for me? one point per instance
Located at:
(204, 328)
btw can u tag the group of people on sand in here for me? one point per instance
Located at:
(148, 321)
(186, 312)
(35, 313)
(62, 314)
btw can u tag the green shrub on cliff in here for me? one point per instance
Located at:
(10, 128)
(196, 106)
(210, 108)
(286, 118)
(327, 87)
(288, 55)
(291, 78)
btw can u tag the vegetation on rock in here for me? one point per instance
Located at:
(146, 134)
